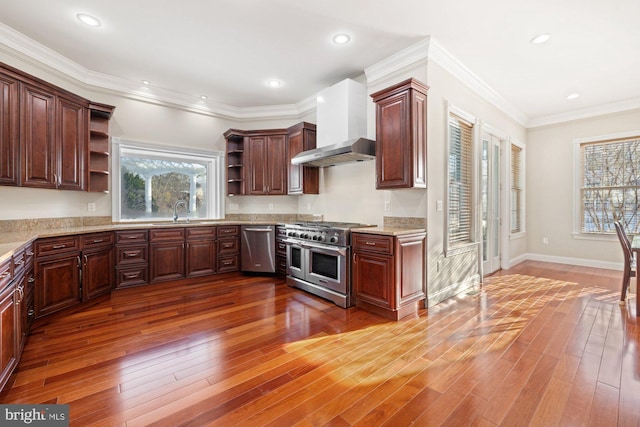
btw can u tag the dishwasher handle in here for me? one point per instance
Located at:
(258, 229)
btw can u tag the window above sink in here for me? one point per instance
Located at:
(148, 180)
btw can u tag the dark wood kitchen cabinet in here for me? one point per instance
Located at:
(201, 258)
(401, 135)
(388, 273)
(57, 274)
(9, 130)
(228, 248)
(235, 162)
(8, 315)
(166, 254)
(266, 171)
(281, 251)
(97, 264)
(99, 114)
(302, 179)
(132, 258)
(25, 280)
(53, 139)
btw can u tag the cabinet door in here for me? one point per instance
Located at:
(393, 148)
(9, 132)
(167, 261)
(97, 272)
(276, 167)
(373, 279)
(37, 136)
(57, 283)
(72, 141)
(8, 339)
(256, 162)
(201, 258)
(302, 179)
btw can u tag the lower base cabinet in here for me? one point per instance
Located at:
(389, 273)
(8, 342)
(58, 282)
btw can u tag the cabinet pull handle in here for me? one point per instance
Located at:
(59, 246)
(79, 262)
(30, 253)
(31, 279)
(86, 259)
(370, 243)
(98, 241)
(132, 237)
(20, 262)
(31, 312)
(131, 275)
(4, 275)
(227, 262)
(131, 253)
(354, 259)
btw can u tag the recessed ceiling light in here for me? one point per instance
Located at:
(89, 20)
(203, 96)
(146, 82)
(573, 96)
(274, 83)
(341, 38)
(541, 38)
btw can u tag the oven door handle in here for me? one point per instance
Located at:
(338, 250)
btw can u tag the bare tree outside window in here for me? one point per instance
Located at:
(610, 185)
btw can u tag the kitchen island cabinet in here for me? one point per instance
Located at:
(388, 273)
(401, 135)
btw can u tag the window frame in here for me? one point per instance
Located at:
(451, 248)
(214, 161)
(578, 181)
(523, 187)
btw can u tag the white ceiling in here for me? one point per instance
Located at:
(228, 49)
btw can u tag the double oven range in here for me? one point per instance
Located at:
(319, 259)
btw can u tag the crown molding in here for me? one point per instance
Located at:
(38, 54)
(584, 113)
(442, 57)
(398, 61)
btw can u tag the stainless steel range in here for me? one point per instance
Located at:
(318, 259)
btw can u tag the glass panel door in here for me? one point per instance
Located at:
(490, 201)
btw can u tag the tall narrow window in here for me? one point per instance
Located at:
(460, 215)
(610, 184)
(516, 189)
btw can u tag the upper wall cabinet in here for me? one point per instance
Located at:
(99, 114)
(44, 135)
(259, 161)
(302, 179)
(401, 135)
(9, 132)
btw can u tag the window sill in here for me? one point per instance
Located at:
(601, 237)
(516, 236)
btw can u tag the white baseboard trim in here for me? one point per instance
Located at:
(567, 260)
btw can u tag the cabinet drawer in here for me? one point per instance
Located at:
(97, 240)
(131, 254)
(201, 233)
(228, 246)
(166, 234)
(228, 230)
(228, 263)
(281, 231)
(5, 274)
(281, 247)
(131, 236)
(372, 243)
(281, 265)
(19, 261)
(28, 255)
(57, 245)
(132, 276)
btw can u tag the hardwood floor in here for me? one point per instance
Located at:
(540, 344)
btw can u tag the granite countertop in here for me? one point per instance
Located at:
(388, 231)
(13, 241)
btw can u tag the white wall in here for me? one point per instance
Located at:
(550, 189)
(448, 275)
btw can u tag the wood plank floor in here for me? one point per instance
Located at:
(540, 344)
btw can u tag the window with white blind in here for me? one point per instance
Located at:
(609, 183)
(460, 191)
(517, 189)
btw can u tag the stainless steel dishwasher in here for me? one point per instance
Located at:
(258, 248)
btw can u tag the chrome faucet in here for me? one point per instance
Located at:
(175, 209)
